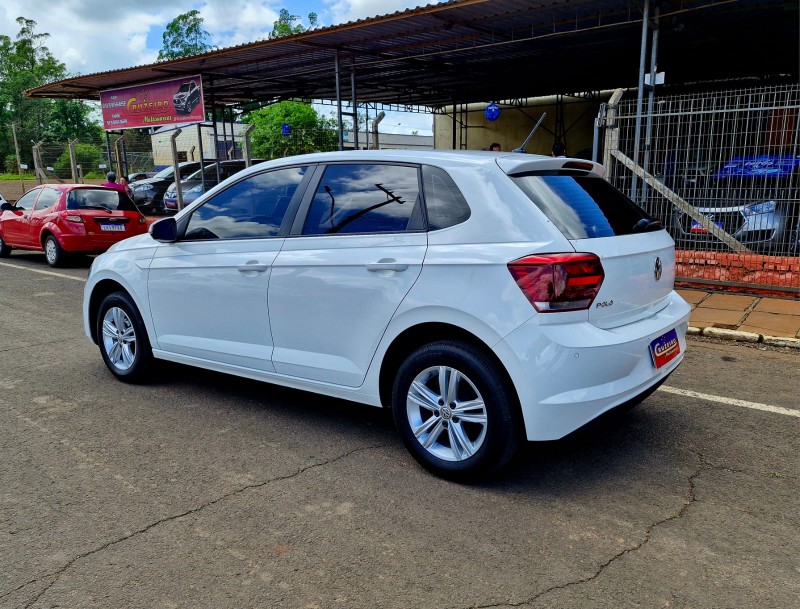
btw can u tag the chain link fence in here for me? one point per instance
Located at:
(140, 154)
(721, 170)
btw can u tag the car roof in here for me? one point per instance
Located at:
(509, 162)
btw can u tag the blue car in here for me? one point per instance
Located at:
(755, 199)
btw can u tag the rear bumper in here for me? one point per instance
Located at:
(568, 374)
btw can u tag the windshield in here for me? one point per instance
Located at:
(167, 172)
(184, 87)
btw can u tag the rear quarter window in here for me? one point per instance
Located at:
(445, 204)
(584, 207)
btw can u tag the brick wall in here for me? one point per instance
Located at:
(756, 269)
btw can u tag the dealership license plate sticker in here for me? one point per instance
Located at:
(113, 227)
(665, 348)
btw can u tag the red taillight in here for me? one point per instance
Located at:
(558, 282)
(71, 216)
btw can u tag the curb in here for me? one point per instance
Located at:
(747, 337)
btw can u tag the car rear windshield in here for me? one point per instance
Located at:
(100, 198)
(584, 207)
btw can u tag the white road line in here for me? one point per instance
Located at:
(25, 268)
(730, 401)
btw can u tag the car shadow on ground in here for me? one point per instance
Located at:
(622, 446)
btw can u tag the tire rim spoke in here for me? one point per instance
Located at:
(434, 434)
(422, 396)
(461, 445)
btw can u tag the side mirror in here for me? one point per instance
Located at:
(165, 230)
(6, 206)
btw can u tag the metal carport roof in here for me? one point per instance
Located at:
(479, 50)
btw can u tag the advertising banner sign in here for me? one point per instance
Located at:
(154, 104)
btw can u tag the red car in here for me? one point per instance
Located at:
(61, 219)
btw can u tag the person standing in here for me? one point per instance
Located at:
(111, 182)
(495, 147)
(123, 181)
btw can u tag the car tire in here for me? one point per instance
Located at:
(455, 411)
(122, 338)
(5, 250)
(53, 252)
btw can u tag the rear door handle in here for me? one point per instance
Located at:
(251, 267)
(374, 267)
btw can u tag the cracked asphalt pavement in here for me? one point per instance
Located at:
(202, 490)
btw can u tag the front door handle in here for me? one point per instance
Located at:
(252, 267)
(386, 265)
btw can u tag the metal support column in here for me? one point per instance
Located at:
(202, 159)
(176, 167)
(639, 99)
(455, 122)
(214, 125)
(354, 103)
(108, 152)
(225, 135)
(651, 94)
(339, 100)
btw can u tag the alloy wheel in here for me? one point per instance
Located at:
(446, 413)
(119, 339)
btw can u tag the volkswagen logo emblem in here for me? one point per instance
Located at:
(657, 269)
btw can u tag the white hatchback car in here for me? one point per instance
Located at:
(484, 297)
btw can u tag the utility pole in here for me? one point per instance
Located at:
(19, 160)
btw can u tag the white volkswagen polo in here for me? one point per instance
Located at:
(486, 298)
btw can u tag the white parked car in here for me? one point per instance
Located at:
(485, 298)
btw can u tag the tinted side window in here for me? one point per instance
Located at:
(26, 201)
(47, 198)
(584, 207)
(365, 198)
(250, 209)
(445, 204)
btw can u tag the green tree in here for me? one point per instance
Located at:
(310, 131)
(25, 63)
(70, 120)
(88, 156)
(184, 36)
(288, 24)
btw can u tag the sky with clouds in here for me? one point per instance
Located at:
(98, 35)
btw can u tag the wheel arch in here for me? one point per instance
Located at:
(421, 334)
(99, 293)
(47, 231)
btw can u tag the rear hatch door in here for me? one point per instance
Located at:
(637, 254)
(108, 215)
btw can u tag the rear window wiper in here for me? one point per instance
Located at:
(105, 207)
(646, 225)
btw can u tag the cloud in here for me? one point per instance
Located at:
(97, 35)
(88, 35)
(342, 11)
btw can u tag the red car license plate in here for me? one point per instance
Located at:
(665, 348)
(113, 227)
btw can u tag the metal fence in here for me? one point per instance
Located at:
(722, 172)
(139, 153)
